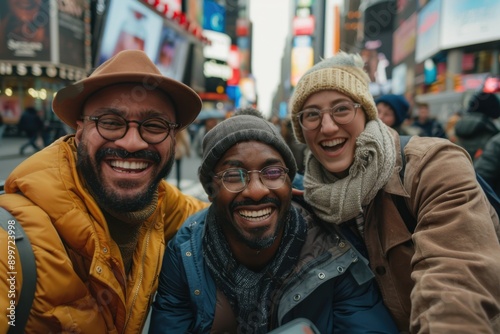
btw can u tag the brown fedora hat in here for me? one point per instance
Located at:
(129, 66)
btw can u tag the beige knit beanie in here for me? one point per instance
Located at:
(344, 73)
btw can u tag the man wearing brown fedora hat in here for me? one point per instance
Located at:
(95, 205)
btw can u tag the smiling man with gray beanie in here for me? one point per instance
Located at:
(254, 261)
(240, 128)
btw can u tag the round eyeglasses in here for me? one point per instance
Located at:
(236, 180)
(113, 127)
(342, 113)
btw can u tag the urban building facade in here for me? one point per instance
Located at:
(433, 51)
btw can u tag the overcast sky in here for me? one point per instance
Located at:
(270, 26)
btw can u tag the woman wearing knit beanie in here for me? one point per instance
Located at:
(430, 282)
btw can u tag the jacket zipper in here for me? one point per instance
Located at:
(140, 278)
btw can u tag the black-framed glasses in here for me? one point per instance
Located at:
(113, 127)
(236, 180)
(342, 113)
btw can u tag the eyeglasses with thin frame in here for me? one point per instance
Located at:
(342, 113)
(112, 127)
(236, 180)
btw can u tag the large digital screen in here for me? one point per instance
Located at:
(428, 30)
(130, 25)
(466, 22)
(172, 53)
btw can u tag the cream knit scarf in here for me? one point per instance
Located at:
(337, 200)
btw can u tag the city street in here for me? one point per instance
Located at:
(10, 158)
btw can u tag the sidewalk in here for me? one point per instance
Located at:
(9, 146)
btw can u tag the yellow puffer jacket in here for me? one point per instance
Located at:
(81, 285)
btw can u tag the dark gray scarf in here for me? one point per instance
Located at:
(249, 292)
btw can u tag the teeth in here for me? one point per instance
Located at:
(129, 164)
(333, 142)
(255, 215)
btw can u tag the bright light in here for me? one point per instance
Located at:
(38, 94)
(8, 91)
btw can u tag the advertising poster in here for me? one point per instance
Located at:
(302, 57)
(466, 22)
(130, 25)
(72, 32)
(428, 31)
(9, 109)
(172, 54)
(25, 30)
(214, 16)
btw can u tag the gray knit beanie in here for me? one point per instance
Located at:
(343, 72)
(238, 129)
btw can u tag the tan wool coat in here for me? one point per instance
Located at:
(448, 279)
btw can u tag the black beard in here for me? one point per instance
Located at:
(261, 243)
(106, 198)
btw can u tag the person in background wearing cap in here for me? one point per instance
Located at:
(95, 206)
(393, 111)
(253, 260)
(445, 277)
(476, 126)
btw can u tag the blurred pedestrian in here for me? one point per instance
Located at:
(182, 150)
(299, 150)
(476, 126)
(430, 127)
(31, 125)
(488, 164)
(393, 111)
(207, 120)
(2, 127)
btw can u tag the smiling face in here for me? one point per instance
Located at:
(124, 174)
(253, 218)
(386, 114)
(333, 144)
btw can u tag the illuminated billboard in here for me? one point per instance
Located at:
(130, 25)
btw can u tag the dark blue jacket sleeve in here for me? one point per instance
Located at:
(172, 311)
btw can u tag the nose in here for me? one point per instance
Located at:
(132, 141)
(255, 188)
(328, 124)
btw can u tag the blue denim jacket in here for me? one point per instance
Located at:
(333, 287)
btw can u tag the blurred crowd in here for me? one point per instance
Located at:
(475, 129)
